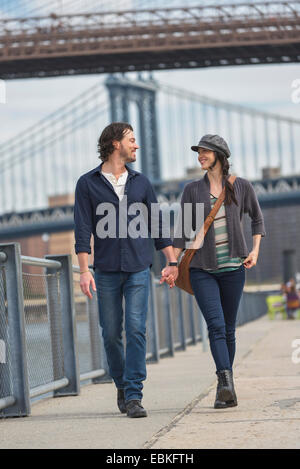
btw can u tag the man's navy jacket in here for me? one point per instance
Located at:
(119, 253)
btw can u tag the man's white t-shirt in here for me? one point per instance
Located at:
(118, 185)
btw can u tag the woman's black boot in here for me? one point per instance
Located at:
(219, 404)
(233, 402)
(225, 396)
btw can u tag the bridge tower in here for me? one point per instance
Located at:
(122, 91)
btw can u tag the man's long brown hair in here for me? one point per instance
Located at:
(113, 132)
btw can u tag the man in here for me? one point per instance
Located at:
(121, 262)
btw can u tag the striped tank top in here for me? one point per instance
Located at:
(225, 263)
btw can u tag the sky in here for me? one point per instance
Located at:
(41, 7)
(264, 87)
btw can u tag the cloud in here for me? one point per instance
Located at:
(265, 87)
(32, 100)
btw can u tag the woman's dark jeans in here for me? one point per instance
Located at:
(218, 296)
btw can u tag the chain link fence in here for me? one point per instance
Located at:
(179, 320)
(44, 347)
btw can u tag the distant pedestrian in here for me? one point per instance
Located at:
(292, 299)
(217, 270)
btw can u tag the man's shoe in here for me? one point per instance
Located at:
(121, 401)
(135, 409)
(225, 388)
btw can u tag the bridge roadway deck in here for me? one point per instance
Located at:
(179, 395)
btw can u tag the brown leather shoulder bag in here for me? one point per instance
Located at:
(183, 279)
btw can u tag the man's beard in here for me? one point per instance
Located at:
(126, 155)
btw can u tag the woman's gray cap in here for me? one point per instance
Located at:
(214, 143)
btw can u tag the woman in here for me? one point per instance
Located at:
(217, 270)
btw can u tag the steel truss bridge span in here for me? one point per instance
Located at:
(165, 38)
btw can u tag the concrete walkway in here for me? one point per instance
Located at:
(267, 383)
(179, 396)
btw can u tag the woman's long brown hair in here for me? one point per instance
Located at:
(230, 195)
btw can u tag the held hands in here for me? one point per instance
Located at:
(169, 274)
(251, 260)
(85, 280)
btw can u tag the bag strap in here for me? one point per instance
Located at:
(211, 216)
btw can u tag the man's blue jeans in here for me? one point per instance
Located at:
(218, 296)
(128, 370)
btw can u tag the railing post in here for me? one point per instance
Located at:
(20, 404)
(153, 331)
(181, 320)
(68, 362)
(5, 385)
(169, 325)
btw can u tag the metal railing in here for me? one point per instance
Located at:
(39, 325)
(50, 337)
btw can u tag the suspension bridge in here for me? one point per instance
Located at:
(150, 39)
